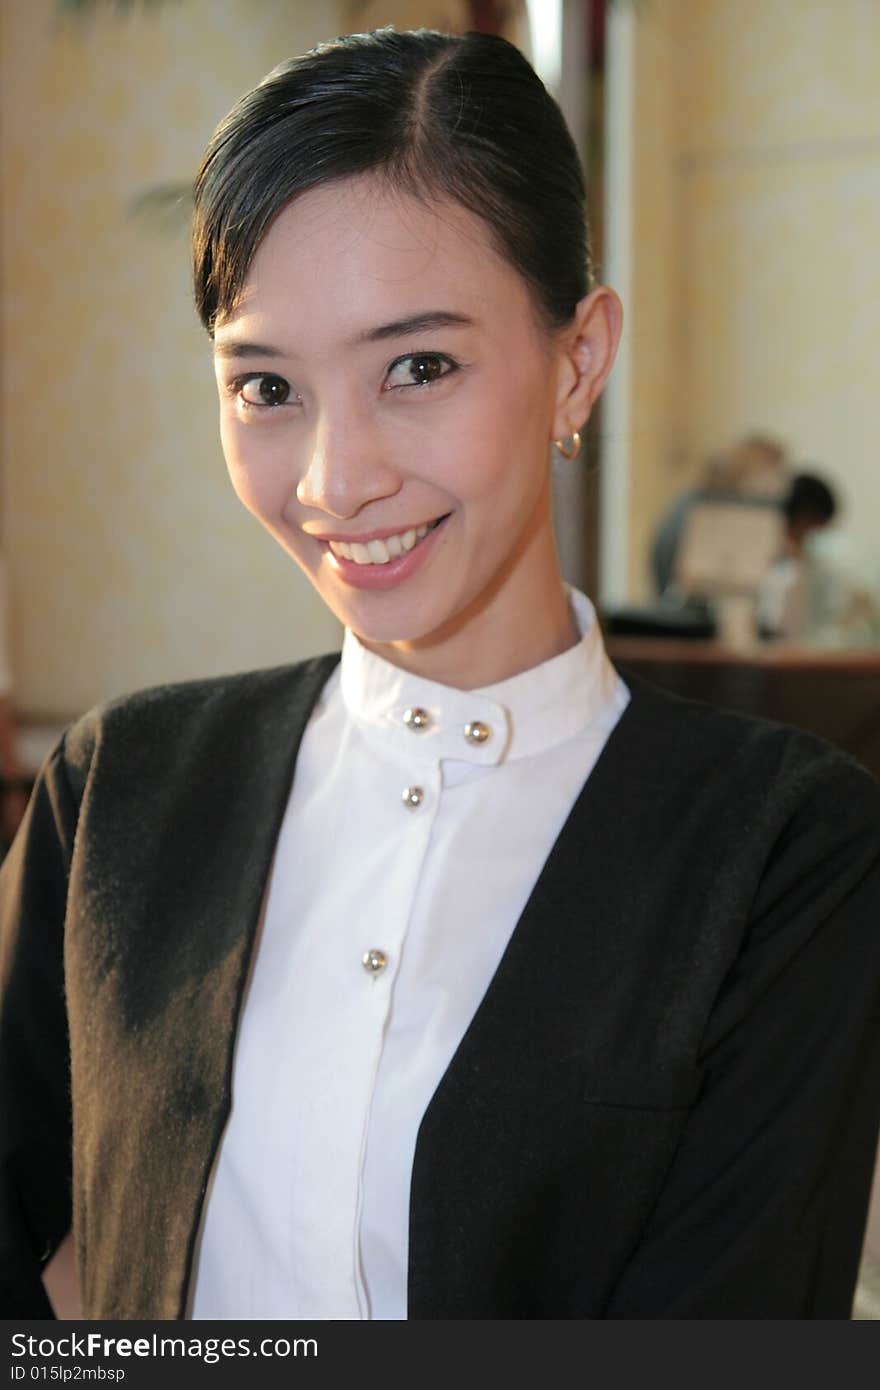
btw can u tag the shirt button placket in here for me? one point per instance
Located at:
(417, 720)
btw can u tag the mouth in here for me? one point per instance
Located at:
(381, 552)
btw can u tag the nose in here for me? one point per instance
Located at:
(348, 467)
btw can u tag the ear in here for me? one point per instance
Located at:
(587, 349)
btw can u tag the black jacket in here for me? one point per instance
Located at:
(666, 1105)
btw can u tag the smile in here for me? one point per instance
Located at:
(379, 552)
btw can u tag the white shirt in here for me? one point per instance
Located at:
(308, 1211)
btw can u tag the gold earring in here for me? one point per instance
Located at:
(570, 446)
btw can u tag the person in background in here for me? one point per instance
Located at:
(809, 505)
(754, 468)
(786, 603)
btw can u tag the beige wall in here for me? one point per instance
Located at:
(756, 216)
(657, 415)
(130, 561)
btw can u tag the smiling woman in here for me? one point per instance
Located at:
(459, 978)
(407, 393)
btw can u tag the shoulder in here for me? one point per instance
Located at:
(167, 723)
(697, 735)
(753, 840)
(735, 774)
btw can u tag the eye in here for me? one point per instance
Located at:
(262, 390)
(419, 369)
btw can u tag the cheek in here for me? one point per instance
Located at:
(500, 451)
(250, 467)
(521, 398)
(232, 453)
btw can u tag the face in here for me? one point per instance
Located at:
(388, 398)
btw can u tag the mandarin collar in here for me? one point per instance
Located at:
(526, 714)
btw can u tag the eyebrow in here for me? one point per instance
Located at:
(415, 323)
(235, 348)
(398, 328)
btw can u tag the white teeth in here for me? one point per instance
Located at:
(378, 552)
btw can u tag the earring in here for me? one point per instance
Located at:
(570, 446)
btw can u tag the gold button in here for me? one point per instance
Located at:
(416, 718)
(476, 731)
(413, 797)
(373, 961)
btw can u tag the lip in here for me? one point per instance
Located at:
(386, 576)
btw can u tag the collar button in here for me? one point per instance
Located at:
(412, 797)
(416, 718)
(476, 731)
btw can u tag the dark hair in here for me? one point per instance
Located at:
(809, 499)
(436, 115)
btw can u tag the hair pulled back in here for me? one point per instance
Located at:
(436, 116)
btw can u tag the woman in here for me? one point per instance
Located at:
(459, 979)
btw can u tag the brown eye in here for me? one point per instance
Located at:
(424, 369)
(419, 369)
(265, 390)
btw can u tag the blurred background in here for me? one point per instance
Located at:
(732, 150)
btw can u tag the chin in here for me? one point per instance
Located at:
(388, 630)
(389, 621)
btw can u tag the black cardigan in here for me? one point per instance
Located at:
(666, 1105)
